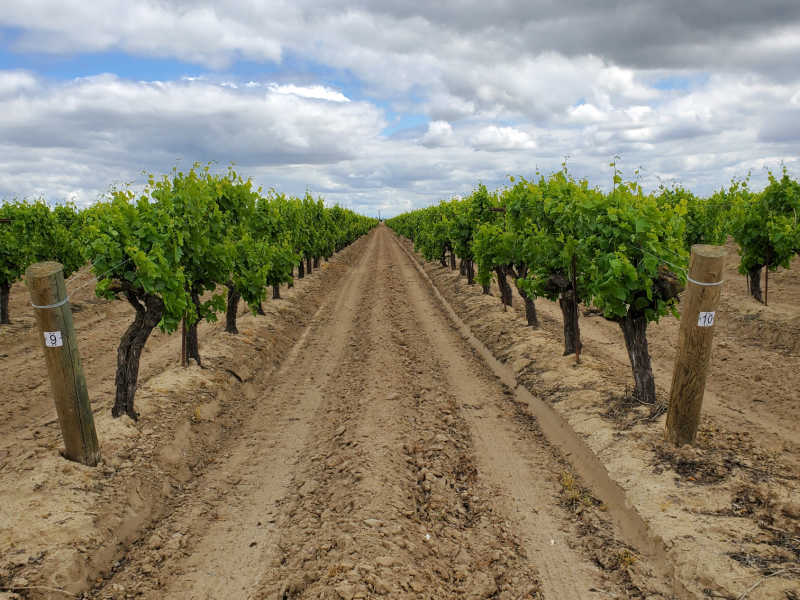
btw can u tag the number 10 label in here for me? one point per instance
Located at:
(52, 339)
(706, 319)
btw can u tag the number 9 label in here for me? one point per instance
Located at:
(52, 339)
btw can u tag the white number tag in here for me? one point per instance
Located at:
(706, 319)
(52, 339)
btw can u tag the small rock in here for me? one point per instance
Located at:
(380, 586)
(346, 591)
(19, 560)
(791, 510)
(372, 522)
(309, 487)
(482, 586)
(385, 561)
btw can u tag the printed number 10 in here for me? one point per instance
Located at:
(705, 319)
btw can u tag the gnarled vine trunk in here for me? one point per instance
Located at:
(502, 282)
(276, 291)
(530, 309)
(316, 262)
(569, 314)
(443, 258)
(291, 278)
(470, 272)
(5, 292)
(149, 310)
(231, 309)
(452, 260)
(301, 269)
(634, 328)
(487, 288)
(192, 344)
(309, 265)
(754, 283)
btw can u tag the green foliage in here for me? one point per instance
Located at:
(194, 200)
(136, 245)
(549, 217)
(433, 236)
(462, 218)
(252, 263)
(492, 247)
(37, 233)
(17, 247)
(707, 219)
(765, 225)
(190, 232)
(62, 242)
(634, 243)
(623, 243)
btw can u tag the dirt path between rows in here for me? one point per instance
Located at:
(722, 515)
(383, 459)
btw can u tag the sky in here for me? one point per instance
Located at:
(386, 106)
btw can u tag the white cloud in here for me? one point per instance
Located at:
(586, 114)
(317, 92)
(94, 131)
(439, 133)
(14, 82)
(492, 89)
(502, 138)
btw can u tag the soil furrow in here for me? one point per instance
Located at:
(218, 539)
(387, 502)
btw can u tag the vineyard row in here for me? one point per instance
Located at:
(624, 253)
(169, 250)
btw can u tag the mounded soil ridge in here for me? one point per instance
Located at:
(725, 510)
(352, 443)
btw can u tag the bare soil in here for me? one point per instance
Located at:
(358, 441)
(727, 511)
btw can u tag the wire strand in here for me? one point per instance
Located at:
(666, 262)
(104, 273)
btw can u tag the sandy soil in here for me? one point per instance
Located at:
(727, 510)
(359, 442)
(62, 525)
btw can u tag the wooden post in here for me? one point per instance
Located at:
(45, 282)
(694, 342)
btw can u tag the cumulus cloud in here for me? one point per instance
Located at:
(14, 82)
(502, 138)
(685, 90)
(439, 133)
(127, 126)
(586, 114)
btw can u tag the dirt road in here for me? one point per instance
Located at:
(384, 459)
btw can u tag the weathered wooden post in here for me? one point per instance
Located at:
(45, 282)
(694, 342)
